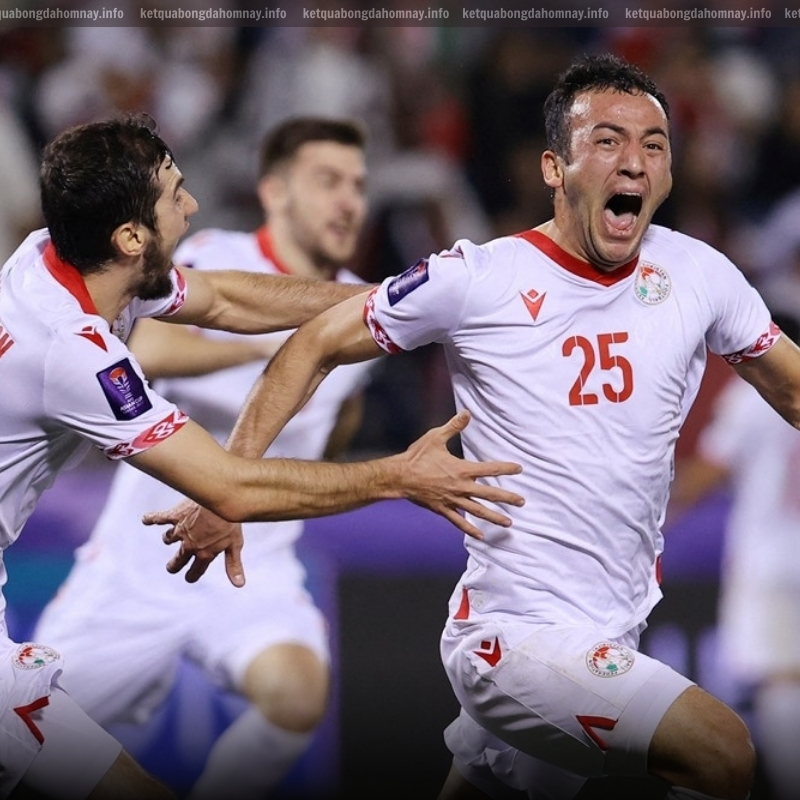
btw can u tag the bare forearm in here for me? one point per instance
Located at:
(288, 489)
(250, 303)
(776, 376)
(293, 375)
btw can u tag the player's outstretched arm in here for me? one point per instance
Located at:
(249, 302)
(240, 489)
(776, 376)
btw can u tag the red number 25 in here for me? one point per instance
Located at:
(607, 361)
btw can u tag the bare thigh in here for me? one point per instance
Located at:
(701, 744)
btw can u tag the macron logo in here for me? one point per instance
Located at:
(491, 652)
(91, 333)
(533, 302)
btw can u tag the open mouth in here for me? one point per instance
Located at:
(622, 210)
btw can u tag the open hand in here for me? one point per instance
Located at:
(202, 536)
(448, 485)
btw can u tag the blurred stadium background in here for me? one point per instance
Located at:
(454, 116)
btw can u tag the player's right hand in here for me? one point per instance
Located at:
(202, 536)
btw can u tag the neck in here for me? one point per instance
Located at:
(294, 258)
(109, 293)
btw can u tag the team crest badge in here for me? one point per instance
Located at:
(652, 284)
(609, 659)
(34, 656)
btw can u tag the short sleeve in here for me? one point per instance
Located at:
(422, 305)
(741, 320)
(99, 392)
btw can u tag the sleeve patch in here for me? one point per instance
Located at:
(180, 295)
(124, 390)
(152, 436)
(758, 348)
(409, 280)
(382, 339)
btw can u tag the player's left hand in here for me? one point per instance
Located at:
(202, 536)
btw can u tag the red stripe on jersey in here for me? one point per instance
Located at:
(152, 436)
(5, 340)
(24, 713)
(180, 295)
(583, 269)
(264, 239)
(380, 336)
(69, 277)
(764, 343)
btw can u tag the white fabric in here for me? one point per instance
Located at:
(119, 594)
(584, 378)
(250, 758)
(565, 695)
(68, 382)
(585, 546)
(76, 754)
(759, 614)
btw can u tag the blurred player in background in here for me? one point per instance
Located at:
(748, 447)
(267, 641)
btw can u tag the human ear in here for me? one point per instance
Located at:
(272, 192)
(129, 239)
(552, 169)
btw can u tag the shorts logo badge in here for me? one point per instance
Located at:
(652, 284)
(609, 659)
(34, 656)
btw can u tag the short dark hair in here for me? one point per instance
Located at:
(96, 177)
(282, 142)
(591, 73)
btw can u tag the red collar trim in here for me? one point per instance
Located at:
(583, 269)
(264, 240)
(69, 277)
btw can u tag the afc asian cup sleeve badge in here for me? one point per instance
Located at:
(609, 659)
(34, 656)
(652, 285)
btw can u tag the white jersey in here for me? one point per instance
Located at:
(214, 401)
(584, 378)
(760, 593)
(67, 380)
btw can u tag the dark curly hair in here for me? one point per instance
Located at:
(95, 178)
(591, 73)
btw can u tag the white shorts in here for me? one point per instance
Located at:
(47, 742)
(565, 697)
(123, 643)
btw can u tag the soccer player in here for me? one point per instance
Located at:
(747, 447)
(578, 347)
(115, 206)
(267, 641)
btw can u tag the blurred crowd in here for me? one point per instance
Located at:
(455, 123)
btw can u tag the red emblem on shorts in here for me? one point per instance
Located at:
(589, 723)
(490, 653)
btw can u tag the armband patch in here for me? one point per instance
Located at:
(409, 280)
(382, 339)
(758, 348)
(124, 390)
